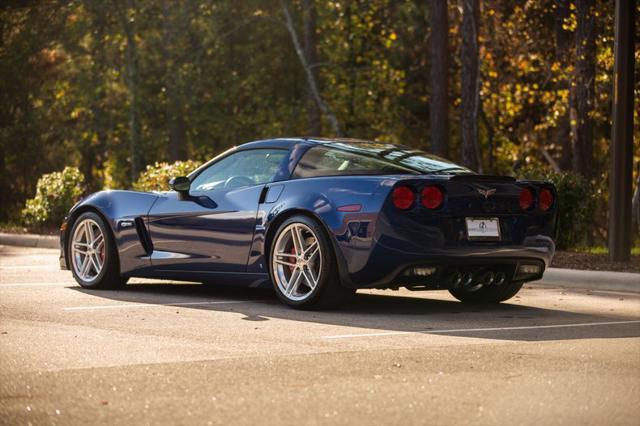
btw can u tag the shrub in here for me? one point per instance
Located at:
(56, 193)
(156, 177)
(576, 203)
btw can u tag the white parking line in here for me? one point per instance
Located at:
(471, 330)
(151, 305)
(60, 284)
(21, 267)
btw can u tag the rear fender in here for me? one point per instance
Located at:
(351, 232)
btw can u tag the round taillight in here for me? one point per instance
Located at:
(432, 197)
(545, 199)
(526, 198)
(403, 197)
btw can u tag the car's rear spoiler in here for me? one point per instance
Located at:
(482, 178)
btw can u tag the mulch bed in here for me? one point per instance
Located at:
(593, 262)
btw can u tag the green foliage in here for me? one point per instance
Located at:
(156, 177)
(111, 89)
(576, 200)
(56, 193)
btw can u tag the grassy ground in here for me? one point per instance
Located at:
(635, 251)
(595, 259)
(13, 228)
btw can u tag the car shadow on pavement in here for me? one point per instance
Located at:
(390, 313)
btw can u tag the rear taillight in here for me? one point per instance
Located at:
(545, 199)
(432, 197)
(526, 199)
(403, 197)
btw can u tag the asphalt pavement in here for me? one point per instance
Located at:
(163, 352)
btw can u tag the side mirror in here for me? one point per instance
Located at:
(180, 184)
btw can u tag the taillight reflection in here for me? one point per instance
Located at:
(545, 199)
(432, 197)
(526, 199)
(403, 197)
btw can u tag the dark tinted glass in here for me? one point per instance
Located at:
(244, 168)
(370, 159)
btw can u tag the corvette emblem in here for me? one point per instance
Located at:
(486, 193)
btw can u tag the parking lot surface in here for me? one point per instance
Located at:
(164, 352)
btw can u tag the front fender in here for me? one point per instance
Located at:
(120, 209)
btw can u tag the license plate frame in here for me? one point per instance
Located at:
(483, 228)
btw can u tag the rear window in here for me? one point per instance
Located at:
(370, 159)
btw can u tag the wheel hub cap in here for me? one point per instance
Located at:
(87, 250)
(297, 261)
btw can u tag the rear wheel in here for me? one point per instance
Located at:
(489, 294)
(92, 254)
(303, 266)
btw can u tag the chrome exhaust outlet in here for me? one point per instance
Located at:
(487, 278)
(457, 279)
(467, 279)
(500, 278)
(468, 282)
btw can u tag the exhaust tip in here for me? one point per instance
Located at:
(499, 278)
(467, 279)
(487, 278)
(456, 281)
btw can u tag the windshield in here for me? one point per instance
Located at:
(371, 158)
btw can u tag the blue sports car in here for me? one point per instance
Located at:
(318, 219)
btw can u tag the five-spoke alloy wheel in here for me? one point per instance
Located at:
(303, 266)
(87, 250)
(92, 254)
(297, 261)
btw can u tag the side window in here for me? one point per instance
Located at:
(321, 161)
(244, 168)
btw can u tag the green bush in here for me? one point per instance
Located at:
(576, 203)
(56, 193)
(156, 177)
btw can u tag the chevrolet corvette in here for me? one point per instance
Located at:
(317, 219)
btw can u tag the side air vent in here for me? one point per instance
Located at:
(143, 234)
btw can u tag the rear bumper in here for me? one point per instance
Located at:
(387, 265)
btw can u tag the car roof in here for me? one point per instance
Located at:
(289, 142)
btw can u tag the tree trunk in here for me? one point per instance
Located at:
(635, 206)
(311, 80)
(585, 87)
(132, 85)
(311, 55)
(176, 125)
(470, 85)
(562, 134)
(439, 53)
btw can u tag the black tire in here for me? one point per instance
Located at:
(493, 294)
(329, 291)
(109, 276)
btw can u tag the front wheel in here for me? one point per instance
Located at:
(93, 255)
(303, 266)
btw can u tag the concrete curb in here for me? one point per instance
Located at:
(591, 280)
(30, 240)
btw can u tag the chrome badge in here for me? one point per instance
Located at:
(486, 193)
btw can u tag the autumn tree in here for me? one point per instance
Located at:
(584, 87)
(439, 75)
(311, 54)
(563, 40)
(470, 80)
